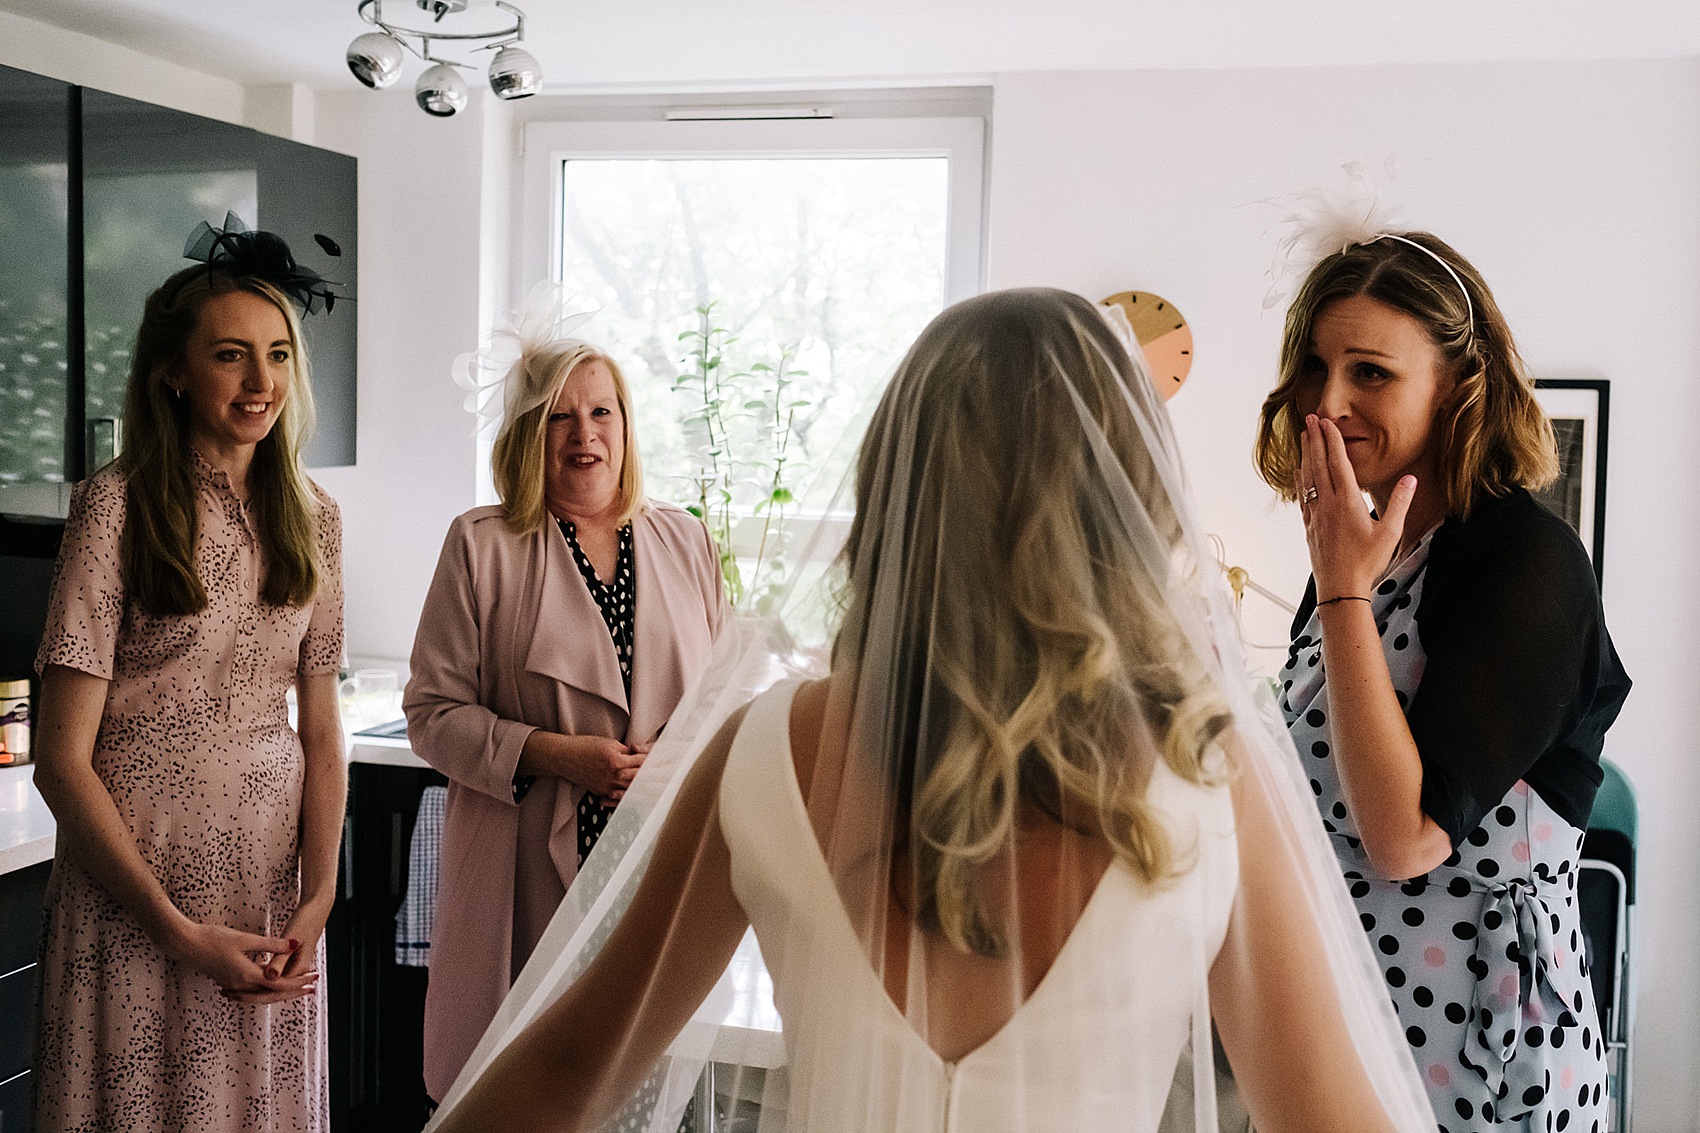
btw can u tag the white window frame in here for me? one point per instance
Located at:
(960, 140)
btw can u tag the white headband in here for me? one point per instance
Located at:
(1469, 307)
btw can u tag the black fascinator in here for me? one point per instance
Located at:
(263, 255)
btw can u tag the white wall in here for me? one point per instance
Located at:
(434, 203)
(1575, 188)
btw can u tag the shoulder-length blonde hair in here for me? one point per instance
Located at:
(518, 458)
(160, 517)
(1006, 447)
(1493, 436)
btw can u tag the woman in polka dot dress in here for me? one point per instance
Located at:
(1451, 679)
(199, 579)
(558, 635)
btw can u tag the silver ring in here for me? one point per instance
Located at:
(1309, 496)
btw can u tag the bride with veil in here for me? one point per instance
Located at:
(1029, 834)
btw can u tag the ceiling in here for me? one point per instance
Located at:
(726, 44)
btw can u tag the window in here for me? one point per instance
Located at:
(758, 282)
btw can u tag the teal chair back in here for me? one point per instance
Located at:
(1614, 806)
(1607, 902)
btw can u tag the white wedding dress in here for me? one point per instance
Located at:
(1095, 1045)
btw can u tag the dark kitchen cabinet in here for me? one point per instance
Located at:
(21, 893)
(377, 1007)
(98, 194)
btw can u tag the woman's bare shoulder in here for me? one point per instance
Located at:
(808, 717)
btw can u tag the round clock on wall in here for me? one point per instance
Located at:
(1163, 335)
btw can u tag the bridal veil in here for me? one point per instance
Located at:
(1040, 828)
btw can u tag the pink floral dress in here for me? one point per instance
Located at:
(196, 749)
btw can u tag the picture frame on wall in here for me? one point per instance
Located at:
(1580, 411)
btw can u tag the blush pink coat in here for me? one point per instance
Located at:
(510, 640)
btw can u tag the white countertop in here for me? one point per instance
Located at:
(26, 825)
(391, 752)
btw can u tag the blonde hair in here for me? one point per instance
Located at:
(1057, 685)
(161, 521)
(517, 461)
(1493, 436)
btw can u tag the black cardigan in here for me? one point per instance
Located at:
(1521, 680)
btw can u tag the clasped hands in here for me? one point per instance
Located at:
(1350, 549)
(600, 764)
(248, 967)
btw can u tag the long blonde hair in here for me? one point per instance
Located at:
(1036, 655)
(518, 457)
(161, 522)
(1493, 437)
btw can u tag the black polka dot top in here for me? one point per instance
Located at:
(617, 599)
(618, 602)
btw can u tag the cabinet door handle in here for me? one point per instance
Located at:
(348, 857)
(103, 436)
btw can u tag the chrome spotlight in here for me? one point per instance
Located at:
(515, 74)
(440, 92)
(375, 58)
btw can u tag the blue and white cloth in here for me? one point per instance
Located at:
(418, 912)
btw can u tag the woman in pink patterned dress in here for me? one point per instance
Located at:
(196, 863)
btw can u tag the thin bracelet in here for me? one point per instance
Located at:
(1343, 598)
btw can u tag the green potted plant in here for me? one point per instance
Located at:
(741, 421)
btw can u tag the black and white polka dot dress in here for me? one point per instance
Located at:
(1483, 955)
(617, 599)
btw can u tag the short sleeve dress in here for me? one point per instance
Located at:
(1499, 654)
(196, 749)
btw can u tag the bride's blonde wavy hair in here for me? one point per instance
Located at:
(1037, 654)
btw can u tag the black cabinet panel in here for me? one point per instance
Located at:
(15, 1114)
(150, 175)
(97, 195)
(17, 1008)
(377, 1006)
(21, 892)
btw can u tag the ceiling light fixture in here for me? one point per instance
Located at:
(376, 57)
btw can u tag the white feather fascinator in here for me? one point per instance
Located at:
(1318, 223)
(497, 383)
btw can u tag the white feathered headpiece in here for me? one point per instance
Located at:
(1320, 223)
(495, 378)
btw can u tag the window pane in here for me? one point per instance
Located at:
(835, 264)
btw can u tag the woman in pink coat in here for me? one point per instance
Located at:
(560, 631)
